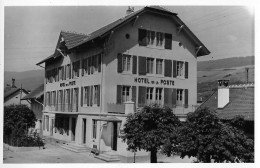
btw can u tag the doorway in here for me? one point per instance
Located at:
(73, 129)
(114, 136)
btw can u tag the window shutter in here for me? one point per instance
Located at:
(68, 97)
(119, 63)
(70, 71)
(98, 96)
(174, 73)
(81, 97)
(141, 96)
(78, 67)
(168, 68)
(64, 70)
(174, 95)
(57, 101)
(142, 38)
(134, 95)
(186, 98)
(134, 65)
(82, 67)
(89, 65)
(168, 97)
(119, 94)
(168, 41)
(91, 95)
(142, 65)
(99, 62)
(63, 101)
(88, 95)
(92, 64)
(71, 99)
(186, 70)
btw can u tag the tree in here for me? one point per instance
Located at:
(149, 129)
(205, 137)
(17, 119)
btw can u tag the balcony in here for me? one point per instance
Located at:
(125, 108)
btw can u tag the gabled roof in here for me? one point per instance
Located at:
(36, 93)
(10, 91)
(241, 102)
(73, 39)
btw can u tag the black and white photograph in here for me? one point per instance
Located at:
(112, 84)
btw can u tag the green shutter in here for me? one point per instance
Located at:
(174, 68)
(98, 96)
(174, 96)
(186, 102)
(119, 94)
(142, 38)
(119, 63)
(168, 68)
(168, 41)
(141, 96)
(142, 65)
(168, 97)
(186, 70)
(134, 70)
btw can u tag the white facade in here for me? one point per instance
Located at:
(117, 87)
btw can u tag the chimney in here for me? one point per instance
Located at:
(129, 10)
(223, 93)
(13, 83)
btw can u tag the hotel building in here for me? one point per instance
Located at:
(93, 81)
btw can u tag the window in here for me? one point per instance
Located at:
(125, 93)
(85, 66)
(67, 99)
(47, 122)
(126, 62)
(68, 73)
(53, 98)
(76, 66)
(180, 68)
(60, 74)
(150, 37)
(95, 63)
(149, 65)
(179, 98)
(159, 64)
(95, 94)
(149, 95)
(158, 95)
(94, 129)
(159, 38)
(86, 93)
(48, 99)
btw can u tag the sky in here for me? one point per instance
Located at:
(31, 33)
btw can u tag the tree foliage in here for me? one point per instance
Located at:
(208, 139)
(149, 129)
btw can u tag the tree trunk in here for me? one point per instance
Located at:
(153, 156)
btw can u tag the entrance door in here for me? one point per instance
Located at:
(73, 129)
(51, 129)
(114, 137)
(84, 124)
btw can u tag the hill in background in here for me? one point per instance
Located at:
(29, 79)
(233, 69)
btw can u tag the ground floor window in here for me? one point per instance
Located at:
(158, 95)
(149, 95)
(179, 98)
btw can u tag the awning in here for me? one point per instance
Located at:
(108, 119)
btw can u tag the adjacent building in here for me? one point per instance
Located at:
(35, 98)
(92, 81)
(14, 95)
(230, 101)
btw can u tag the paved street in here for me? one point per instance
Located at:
(56, 154)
